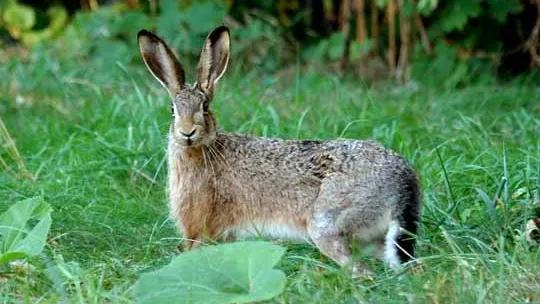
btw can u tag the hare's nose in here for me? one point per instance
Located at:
(188, 135)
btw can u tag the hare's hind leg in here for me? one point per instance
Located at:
(334, 243)
(348, 208)
(325, 225)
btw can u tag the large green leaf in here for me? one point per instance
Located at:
(23, 229)
(229, 273)
(454, 16)
(19, 17)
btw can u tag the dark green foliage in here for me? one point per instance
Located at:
(473, 37)
(468, 37)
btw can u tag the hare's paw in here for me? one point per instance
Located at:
(362, 271)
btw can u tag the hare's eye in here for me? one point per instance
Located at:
(172, 109)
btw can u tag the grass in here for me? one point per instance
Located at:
(92, 136)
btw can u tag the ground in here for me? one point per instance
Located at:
(93, 136)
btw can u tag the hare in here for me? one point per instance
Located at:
(224, 185)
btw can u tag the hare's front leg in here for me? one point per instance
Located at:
(197, 233)
(192, 217)
(191, 239)
(191, 230)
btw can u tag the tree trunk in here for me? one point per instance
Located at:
(405, 37)
(93, 4)
(374, 26)
(344, 16)
(345, 28)
(361, 32)
(391, 15)
(132, 3)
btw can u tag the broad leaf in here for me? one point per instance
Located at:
(19, 17)
(23, 229)
(229, 273)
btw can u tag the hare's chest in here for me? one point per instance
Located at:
(187, 189)
(188, 196)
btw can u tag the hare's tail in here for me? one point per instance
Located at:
(409, 221)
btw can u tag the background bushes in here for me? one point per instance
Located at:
(439, 42)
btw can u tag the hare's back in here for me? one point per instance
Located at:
(290, 160)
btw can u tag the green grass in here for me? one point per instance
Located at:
(93, 135)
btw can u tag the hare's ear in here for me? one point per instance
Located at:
(214, 59)
(161, 61)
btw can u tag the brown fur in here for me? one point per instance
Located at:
(222, 184)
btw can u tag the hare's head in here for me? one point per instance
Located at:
(193, 123)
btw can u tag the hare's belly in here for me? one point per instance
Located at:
(272, 228)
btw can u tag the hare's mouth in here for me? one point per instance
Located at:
(189, 141)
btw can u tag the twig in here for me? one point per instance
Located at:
(532, 42)
(423, 34)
